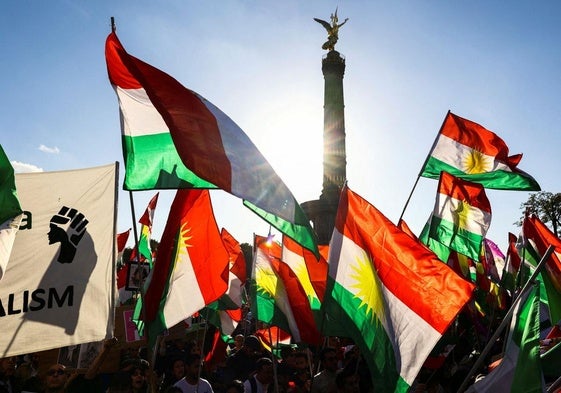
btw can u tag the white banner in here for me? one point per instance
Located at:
(59, 287)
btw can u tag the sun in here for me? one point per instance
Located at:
(183, 242)
(368, 287)
(476, 162)
(304, 278)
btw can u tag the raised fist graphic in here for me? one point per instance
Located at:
(67, 227)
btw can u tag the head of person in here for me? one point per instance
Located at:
(236, 386)
(264, 371)
(138, 377)
(238, 341)
(300, 360)
(252, 346)
(7, 367)
(192, 366)
(328, 358)
(177, 368)
(56, 377)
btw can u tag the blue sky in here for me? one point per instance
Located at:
(408, 63)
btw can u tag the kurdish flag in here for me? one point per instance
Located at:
(192, 267)
(306, 267)
(280, 298)
(512, 265)
(10, 210)
(208, 142)
(390, 293)
(461, 216)
(146, 222)
(520, 369)
(467, 150)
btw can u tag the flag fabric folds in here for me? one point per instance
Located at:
(192, 267)
(537, 238)
(10, 211)
(208, 142)
(146, 221)
(279, 298)
(60, 281)
(390, 293)
(461, 216)
(520, 369)
(467, 150)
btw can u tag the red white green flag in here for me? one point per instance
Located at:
(537, 239)
(512, 265)
(392, 295)
(208, 142)
(461, 216)
(306, 267)
(467, 150)
(279, 298)
(146, 222)
(520, 369)
(192, 267)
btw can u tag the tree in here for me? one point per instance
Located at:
(547, 207)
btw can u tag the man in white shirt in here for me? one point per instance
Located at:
(192, 382)
(263, 377)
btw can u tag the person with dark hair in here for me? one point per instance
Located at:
(263, 377)
(173, 373)
(7, 375)
(324, 381)
(192, 382)
(241, 364)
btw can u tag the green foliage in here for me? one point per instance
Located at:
(546, 206)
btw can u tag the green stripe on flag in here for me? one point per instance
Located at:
(346, 313)
(458, 239)
(498, 180)
(152, 162)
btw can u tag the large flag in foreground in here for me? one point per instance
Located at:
(60, 281)
(10, 211)
(461, 216)
(389, 292)
(192, 266)
(520, 368)
(208, 142)
(467, 150)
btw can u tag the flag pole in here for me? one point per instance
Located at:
(506, 319)
(422, 167)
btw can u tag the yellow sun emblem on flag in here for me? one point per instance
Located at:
(367, 287)
(461, 214)
(266, 279)
(304, 278)
(475, 162)
(183, 241)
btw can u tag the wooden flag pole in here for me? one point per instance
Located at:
(505, 320)
(422, 167)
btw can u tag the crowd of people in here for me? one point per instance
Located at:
(178, 367)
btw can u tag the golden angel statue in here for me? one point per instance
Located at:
(332, 30)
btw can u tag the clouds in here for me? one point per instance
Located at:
(22, 167)
(50, 150)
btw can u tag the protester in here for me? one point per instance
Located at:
(241, 364)
(263, 377)
(173, 373)
(347, 381)
(7, 375)
(324, 381)
(56, 379)
(192, 382)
